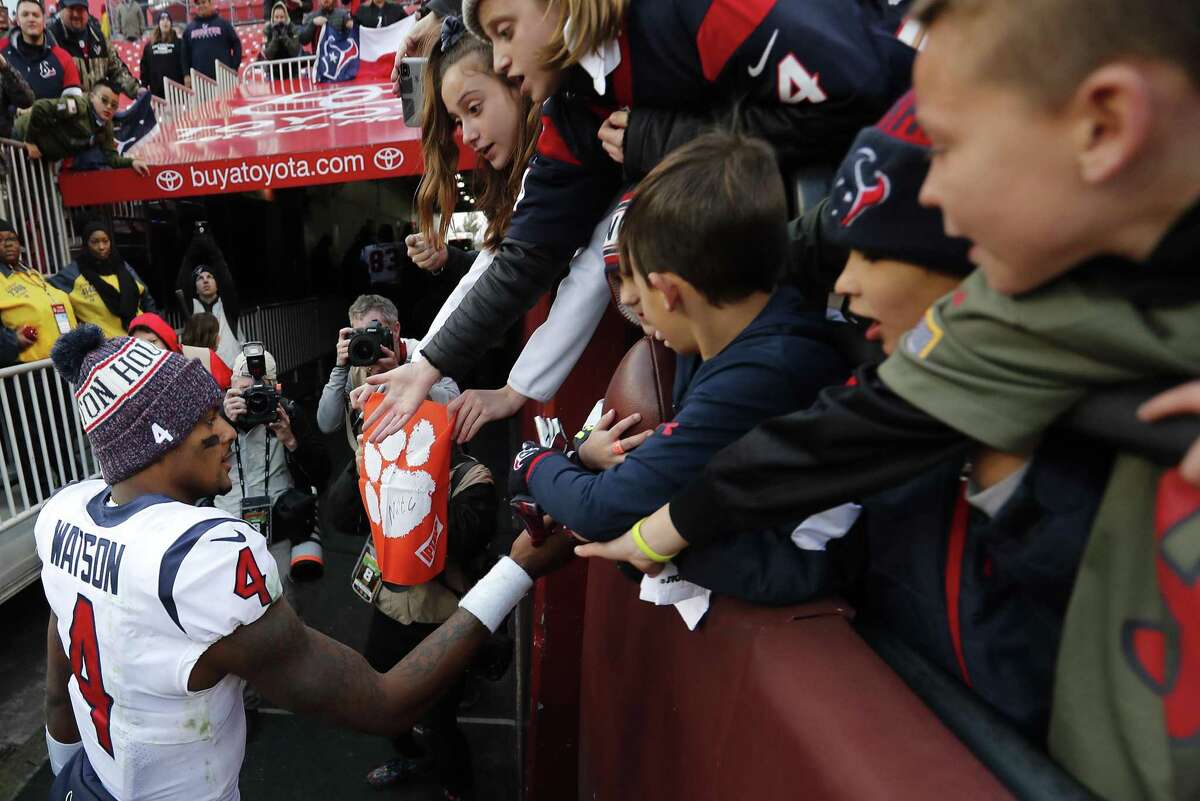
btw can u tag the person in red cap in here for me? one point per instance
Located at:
(149, 327)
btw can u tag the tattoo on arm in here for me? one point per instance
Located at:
(309, 673)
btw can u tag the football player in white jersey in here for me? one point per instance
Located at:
(161, 610)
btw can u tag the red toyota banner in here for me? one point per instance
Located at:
(259, 139)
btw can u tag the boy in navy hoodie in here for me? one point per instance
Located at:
(701, 243)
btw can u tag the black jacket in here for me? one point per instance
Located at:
(15, 93)
(203, 249)
(1011, 574)
(94, 59)
(160, 61)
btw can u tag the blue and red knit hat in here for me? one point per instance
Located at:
(873, 204)
(136, 402)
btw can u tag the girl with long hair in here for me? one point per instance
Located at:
(623, 83)
(501, 126)
(200, 338)
(162, 56)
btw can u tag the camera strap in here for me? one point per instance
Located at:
(256, 510)
(237, 452)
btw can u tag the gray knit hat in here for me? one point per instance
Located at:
(470, 18)
(136, 402)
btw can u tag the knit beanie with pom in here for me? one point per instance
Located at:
(136, 402)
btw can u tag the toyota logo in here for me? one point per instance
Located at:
(388, 158)
(169, 180)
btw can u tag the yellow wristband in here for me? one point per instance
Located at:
(644, 546)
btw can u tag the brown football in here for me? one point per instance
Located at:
(642, 383)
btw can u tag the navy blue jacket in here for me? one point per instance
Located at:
(47, 68)
(803, 75)
(207, 41)
(777, 364)
(1013, 580)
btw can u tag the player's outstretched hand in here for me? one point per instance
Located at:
(538, 561)
(404, 388)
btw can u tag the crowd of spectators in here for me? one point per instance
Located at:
(1003, 267)
(1005, 236)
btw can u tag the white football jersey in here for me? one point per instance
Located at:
(141, 591)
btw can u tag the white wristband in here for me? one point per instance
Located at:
(495, 595)
(60, 753)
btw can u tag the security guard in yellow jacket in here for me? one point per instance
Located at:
(33, 312)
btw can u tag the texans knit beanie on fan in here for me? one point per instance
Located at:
(873, 205)
(136, 402)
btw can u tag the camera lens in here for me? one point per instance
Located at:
(257, 404)
(363, 352)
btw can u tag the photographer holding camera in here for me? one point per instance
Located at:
(372, 344)
(281, 36)
(279, 459)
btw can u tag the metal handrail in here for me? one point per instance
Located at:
(227, 79)
(42, 445)
(177, 95)
(204, 87)
(32, 203)
(163, 111)
(298, 70)
(295, 332)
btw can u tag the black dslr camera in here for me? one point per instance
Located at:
(367, 344)
(261, 398)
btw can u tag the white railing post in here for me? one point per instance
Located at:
(163, 111)
(34, 206)
(205, 88)
(298, 70)
(38, 458)
(178, 96)
(227, 79)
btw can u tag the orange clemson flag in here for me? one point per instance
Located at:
(405, 486)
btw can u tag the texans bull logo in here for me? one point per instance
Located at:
(1165, 654)
(337, 58)
(865, 195)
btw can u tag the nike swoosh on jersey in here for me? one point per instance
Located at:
(757, 69)
(239, 538)
(173, 559)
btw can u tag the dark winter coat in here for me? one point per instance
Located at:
(94, 59)
(161, 60)
(207, 41)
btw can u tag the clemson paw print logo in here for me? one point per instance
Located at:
(398, 492)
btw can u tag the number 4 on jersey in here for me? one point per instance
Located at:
(85, 664)
(797, 84)
(249, 582)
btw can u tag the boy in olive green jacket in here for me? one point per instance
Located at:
(66, 127)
